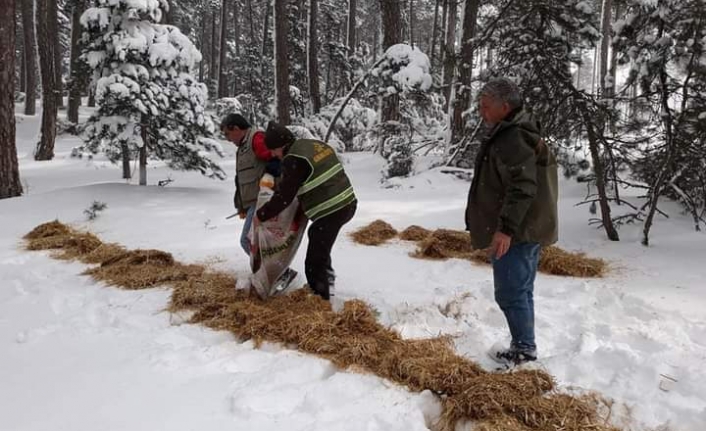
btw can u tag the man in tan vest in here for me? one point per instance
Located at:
(253, 159)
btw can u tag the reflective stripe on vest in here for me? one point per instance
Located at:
(320, 179)
(331, 204)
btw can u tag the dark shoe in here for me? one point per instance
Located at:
(514, 356)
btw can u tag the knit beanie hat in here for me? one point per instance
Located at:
(277, 136)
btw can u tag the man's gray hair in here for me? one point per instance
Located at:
(503, 90)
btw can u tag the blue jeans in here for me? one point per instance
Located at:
(514, 275)
(244, 241)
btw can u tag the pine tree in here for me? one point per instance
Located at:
(149, 100)
(665, 44)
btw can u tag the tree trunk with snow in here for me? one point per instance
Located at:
(265, 29)
(10, 185)
(213, 66)
(236, 38)
(125, 156)
(352, 7)
(79, 76)
(613, 72)
(204, 44)
(391, 24)
(251, 16)
(434, 31)
(222, 66)
(312, 56)
(605, 45)
(659, 184)
(30, 56)
(599, 172)
(45, 148)
(442, 30)
(448, 48)
(462, 97)
(411, 23)
(23, 79)
(279, 17)
(143, 153)
(53, 22)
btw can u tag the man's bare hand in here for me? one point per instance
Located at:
(242, 215)
(500, 245)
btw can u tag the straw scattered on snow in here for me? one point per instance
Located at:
(352, 338)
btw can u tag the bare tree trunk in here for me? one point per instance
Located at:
(444, 13)
(352, 8)
(578, 71)
(236, 37)
(391, 23)
(605, 44)
(10, 185)
(204, 44)
(169, 15)
(312, 56)
(222, 66)
(376, 39)
(657, 188)
(252, 22)
(77, 83)
(265, 29)
(279, 16)
(91, 97)
(434, 31)
(213, 66)
(449, 54)
(30, 56)
(465, 70)
(45, 148)
(23, 77)
(125, 154)
(327, 81)
(57, 50)
(593, 76)
(411, 23)
(610, 92)
(143, 152)
(599, 172)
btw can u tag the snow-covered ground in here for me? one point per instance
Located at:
(78, 356)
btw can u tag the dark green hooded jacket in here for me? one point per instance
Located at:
(515, 186)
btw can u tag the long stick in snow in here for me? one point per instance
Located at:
(350, 95)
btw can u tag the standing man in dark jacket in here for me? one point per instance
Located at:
(512, 209)
(312, 172)
(253, 159)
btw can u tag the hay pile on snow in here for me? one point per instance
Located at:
(352, 338)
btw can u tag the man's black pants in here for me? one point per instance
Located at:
(322, 235)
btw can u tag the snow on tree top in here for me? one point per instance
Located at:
(411, 67)
(585, 7)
